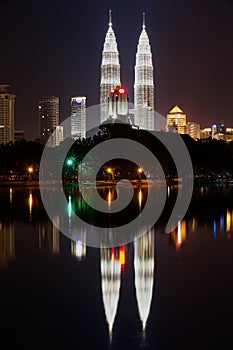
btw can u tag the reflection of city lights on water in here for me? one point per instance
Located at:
(109, 199)
(30, 204)
(179, 234)
(215, 229)
(78, 249)
(144, 274)
(228, 221)
(140, 198)
(194, 224)
(222, 223)
(10, 195)
(69, 207)
(7, 243)
(122, 256)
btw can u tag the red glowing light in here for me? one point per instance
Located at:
(122, 91)
(113, 254)
(122, 256)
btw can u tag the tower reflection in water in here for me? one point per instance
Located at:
(112, 260)
(144, 274)
(179, 235)
(78, 246)
(49, 237)
(7, 243)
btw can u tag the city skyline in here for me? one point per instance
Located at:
(190, 46)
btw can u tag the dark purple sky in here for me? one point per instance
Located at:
(53, 47)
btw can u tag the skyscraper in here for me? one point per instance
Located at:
(144, 83)
(57, 136)
(193, 129)
(48, 115)
(176, 120)
(7, 107)
(110, 69)
(78, 117)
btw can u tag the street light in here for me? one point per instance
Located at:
(70, 168)
(69, 162)
(140, 170)
(111, 172)
(30, 171)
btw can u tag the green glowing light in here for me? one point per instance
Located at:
(69, 162)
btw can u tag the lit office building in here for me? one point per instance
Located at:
(144, 83)
(48, 115)
(193, 129)
(57, 136)
(7, 110)
(19, 135)
(176, 121)
(205, 133)
(78, 117)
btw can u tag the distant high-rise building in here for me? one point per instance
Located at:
(18, 134)
(193, 129)
(205, 133)
(78, 117)
(7, 110)
(110, 69)
(176, 121)
(48, 115)
(57, 136)
(218, 130)
(144, 83)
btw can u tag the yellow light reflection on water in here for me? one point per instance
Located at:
(140, 198)
(10, 195)
(30, 204)
(109, 199)
(228, 221)
(179, 235)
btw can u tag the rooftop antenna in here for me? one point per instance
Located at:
(143, 20)
(110, 18)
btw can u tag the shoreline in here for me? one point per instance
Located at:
(170, 182)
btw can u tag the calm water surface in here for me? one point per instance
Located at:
(163, 291)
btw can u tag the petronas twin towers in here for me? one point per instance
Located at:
(143, 83)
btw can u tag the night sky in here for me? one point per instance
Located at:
(53, 47)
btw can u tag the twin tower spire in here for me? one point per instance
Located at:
(143, 82)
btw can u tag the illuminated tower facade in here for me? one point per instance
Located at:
(144, 83)
(48, 115)
(78, 117)
(110, 69)
(7, 105)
